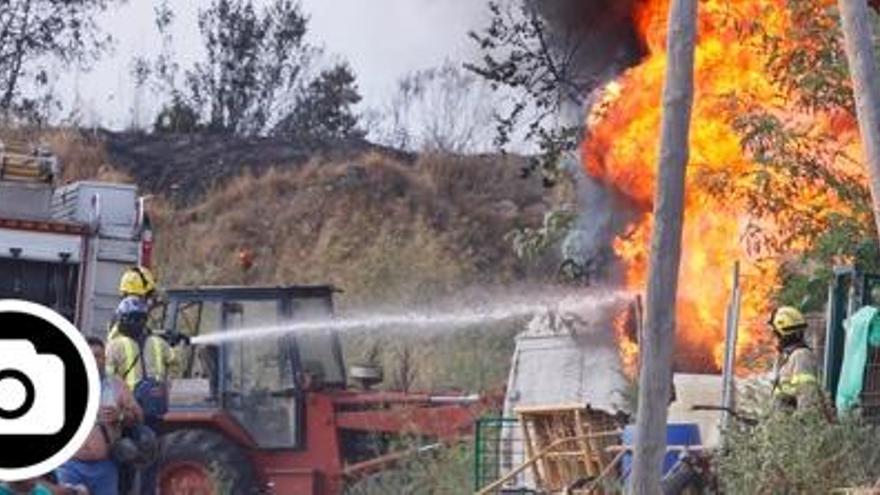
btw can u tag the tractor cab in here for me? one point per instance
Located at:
(246, 362)
(261, 406)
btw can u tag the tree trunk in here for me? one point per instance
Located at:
(656, 350)
(856, 19)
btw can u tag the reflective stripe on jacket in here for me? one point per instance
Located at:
(795, 383)
(122, 359)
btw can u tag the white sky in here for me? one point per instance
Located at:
(382, 39)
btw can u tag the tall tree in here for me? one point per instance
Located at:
(32, 31)
(324, 109)
(857, 33)
(660, 318)
(546, 58)
(254, 61)
(541, 69)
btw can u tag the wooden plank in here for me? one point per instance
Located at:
(530, 449)
(549, 408)
(585, 445)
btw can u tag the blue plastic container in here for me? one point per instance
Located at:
(684, 434)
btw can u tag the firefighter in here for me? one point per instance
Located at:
(795, 385)
(134, 353)
(145, 362)
(137, 281)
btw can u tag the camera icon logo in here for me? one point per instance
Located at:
(31, 390)
(50, 390)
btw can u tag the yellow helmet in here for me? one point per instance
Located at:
(787, 320)
(137, 281)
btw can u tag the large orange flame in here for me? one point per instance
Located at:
(621, 150)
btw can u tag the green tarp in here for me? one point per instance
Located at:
(862, 330)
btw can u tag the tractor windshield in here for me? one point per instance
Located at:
(318, 351)
(255, 376)
(259, 376)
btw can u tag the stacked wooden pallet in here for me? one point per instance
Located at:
(22, 163)
(567, 449)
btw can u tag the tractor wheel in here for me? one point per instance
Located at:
(201, 462)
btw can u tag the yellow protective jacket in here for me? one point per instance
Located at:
(795, 385)
(159, 360)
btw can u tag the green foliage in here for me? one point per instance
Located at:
(522, 55)
(254, 78)
(807, 65)
(324, 110)
(34, 32)
(253, 62)
(177, 117)
(443, 470)
(791, 159)
(789, 140)
(806, 279)
(797, 453)
(808, 62)
(530, 243)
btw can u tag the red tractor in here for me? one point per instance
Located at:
(272, 412)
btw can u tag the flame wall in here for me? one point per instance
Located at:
(621, 148)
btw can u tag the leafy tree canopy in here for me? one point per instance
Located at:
(35, 31)
(324, 109)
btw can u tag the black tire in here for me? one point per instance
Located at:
(224, 463)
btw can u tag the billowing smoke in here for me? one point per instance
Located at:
(600, 34)
(601, 37)
(588, 244)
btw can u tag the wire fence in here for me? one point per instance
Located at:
(871, 388)
(499, 447)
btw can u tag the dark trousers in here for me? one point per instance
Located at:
(140, 480)
(149, 473)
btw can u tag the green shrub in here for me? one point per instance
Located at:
(444, 471)
(798, 453)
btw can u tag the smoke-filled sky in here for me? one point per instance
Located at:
(382, 39)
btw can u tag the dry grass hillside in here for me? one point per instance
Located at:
(380, 229)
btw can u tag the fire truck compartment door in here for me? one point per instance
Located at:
(40, 246)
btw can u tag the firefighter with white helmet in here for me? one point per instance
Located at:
(145, 362)
(139, 282)
(134, 352)
(795, 385)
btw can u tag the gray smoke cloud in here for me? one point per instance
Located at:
(601, 32)
(603, 38)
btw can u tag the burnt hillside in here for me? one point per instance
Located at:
(183, 167)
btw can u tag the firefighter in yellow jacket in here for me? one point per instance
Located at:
(795, 385)
(135, 353)
(145, 362)
(137, 281)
